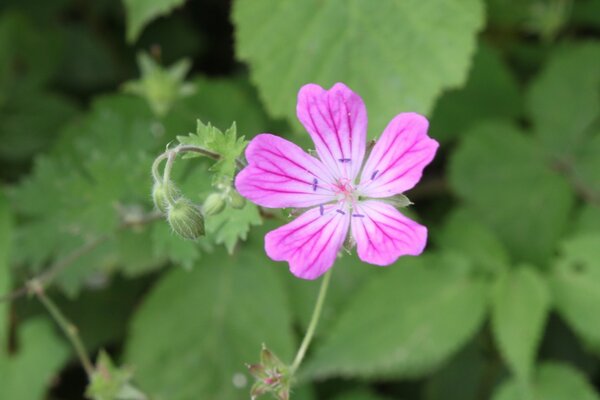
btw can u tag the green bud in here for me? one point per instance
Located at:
(186, 219)
(214, 204)
(236, 200)
(399, 201)
(161, 194)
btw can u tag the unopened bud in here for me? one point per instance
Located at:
(186, 219)
(400, 201)
(214, 204)
(236, 200)
(161, 194)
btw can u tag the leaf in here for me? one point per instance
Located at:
(553, 382)
(226, 144)
(576, 286)
(564, 99)
(520, 307)
(394, 55)
(28, 374)
(141, 12)
(586, 169)
(491, 92)
(505, 180)
(222, 312)
(232, 225)
(465, 234)
(360, 394)
(408, 320)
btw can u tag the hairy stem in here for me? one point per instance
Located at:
(314, 320)
(67, 327)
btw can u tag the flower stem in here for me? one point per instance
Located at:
(314, 320)
(68, 328)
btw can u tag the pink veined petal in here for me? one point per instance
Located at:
(310, 243)
(383, 234)
(280, 174)
(399, 157)
(336, 120)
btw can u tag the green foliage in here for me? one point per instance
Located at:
(576, 285)
(232, 225)
(142, 12)
(6, 228)
(505, 179)
(552, 382)
(520, 306)
(111, 383)
(219, 314)
(438, 306)
(395, 54)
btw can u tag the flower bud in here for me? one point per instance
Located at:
(186, 219)
(214, 204)
(161, 194)
(236, 200)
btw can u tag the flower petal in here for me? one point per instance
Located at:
(280, 174)
(336, 120)
(383, 234)
(310, 243)
(399, 157)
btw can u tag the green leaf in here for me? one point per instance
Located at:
(553, 381)
(227, 144)
(576, 286)
(28, 374)
(394, 55)
(564, 99)
(221, 312)
(491, 92)
(466, 234)
(361, 394)
(408, 320)
(141, 12)
(520, 307)
(586, 170)
(6, 232)
(505, 180)
(232, 225)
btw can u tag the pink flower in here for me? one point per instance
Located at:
(339, 191)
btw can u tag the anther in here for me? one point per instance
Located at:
(358, 215)
(340, 211)
(321, 209)
(374, 174)
(314, 185)
(344, 160)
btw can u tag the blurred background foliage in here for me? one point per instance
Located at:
(505, 303)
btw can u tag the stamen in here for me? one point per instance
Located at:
(358, 215)
(340, 211)
(321, 209)
(374, 174)
(344, 160)
(315, 182)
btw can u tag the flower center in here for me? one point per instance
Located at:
(344, 189)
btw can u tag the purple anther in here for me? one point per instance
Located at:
(374, 174)
(315, 183)
(358, 215)
(344, 160)
(340, 211)
(321, 209)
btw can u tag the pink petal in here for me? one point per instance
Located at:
(382, 234)
(310, 243)
(399, 157)
(336, 120)
(280, 174)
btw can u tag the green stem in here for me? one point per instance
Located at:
(314, 320)
(68, 328)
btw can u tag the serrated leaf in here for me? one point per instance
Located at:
(564, 99)
(491, 92)
(232, 225)
(576, 286)
(408, 320)
(504, 178)
(6, 233)
(520, 307)
(222, 312)
(142, 12)
(553, 381)
(28, 374)
(394, 55)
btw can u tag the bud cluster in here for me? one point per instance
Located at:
(272, 376)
